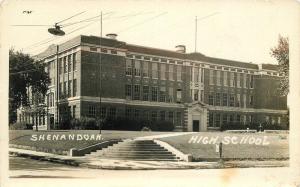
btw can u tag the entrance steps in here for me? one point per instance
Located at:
(146, 150)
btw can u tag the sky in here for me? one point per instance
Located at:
(235, 30)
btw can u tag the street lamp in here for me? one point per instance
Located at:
(56, 30)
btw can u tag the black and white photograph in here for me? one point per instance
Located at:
(150, 93)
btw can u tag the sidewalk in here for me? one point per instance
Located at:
(163, 135)
(141, 165)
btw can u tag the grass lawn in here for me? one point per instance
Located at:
(22, 137)
(278, 147)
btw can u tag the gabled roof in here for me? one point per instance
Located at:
(273, 67)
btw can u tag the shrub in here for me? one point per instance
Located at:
(88, 123)
(164, 126)
(65, 124)
(21, 126)
(145, 129)
(75, 124)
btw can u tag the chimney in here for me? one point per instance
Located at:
(112, 36)
(180, 48)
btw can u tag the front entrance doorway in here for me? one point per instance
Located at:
(196, 125)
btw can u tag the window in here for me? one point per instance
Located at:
(103, 112)
(238, 118)
(103, 50)
(211, 77)
(162, 94)
(232, 81)
(113, 52)
(196, 95)
(65, 89)
(92, 111)
(250, 118)
(137, 68)
(145, 93)
(112, 113)
(179, 71)
(218, 99)
(154, 71)
(218, 120)
(244, 119)
(171, 116)
(128, 112)
(231, 100)
(61, 66)
(128, 91)
(69, 63)
(74, 61)
(178, 95)
(245, 100)
(145, 69)
(231, 118)
(93, 48)
(238, 100)
(178, 118)
(238, 80)
(211, 99)
(251, 81)
(162, 115)
(171, 94)
(201, 95)
(225, 79)
(196, 74)
(153, 116)
(218, 78)
(136, 114)
(202, 75)
(171, 72)
(145, 115)
(224, 120)
(279, 120)
(251, 100)
(211, 120)
(136, 95)
(245, 80)
(69, 88)
(163, 71)
(61, 90)
(154, 94)
(74, 87)
(65, 65)
(225, 99)
(128, 67)
(74, 111)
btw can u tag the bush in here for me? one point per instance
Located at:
(75, 124)
(65, 125)
(164, 126)
(252, 126)
(145, 129)
(21, 126)
(122, 124)
(88, 123)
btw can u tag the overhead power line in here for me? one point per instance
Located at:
(143, 22)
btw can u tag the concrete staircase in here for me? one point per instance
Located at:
(146, 150)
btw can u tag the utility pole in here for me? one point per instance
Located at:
(100, 76)
(196, 20)
(196, 26)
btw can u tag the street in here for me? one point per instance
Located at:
(21, 168)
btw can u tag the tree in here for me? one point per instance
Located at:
(24, 73)
(281, 54)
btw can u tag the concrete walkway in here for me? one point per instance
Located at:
(98, 163)
(163, 135)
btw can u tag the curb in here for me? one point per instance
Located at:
(196, 165)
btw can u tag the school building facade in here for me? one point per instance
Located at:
(193, 91)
